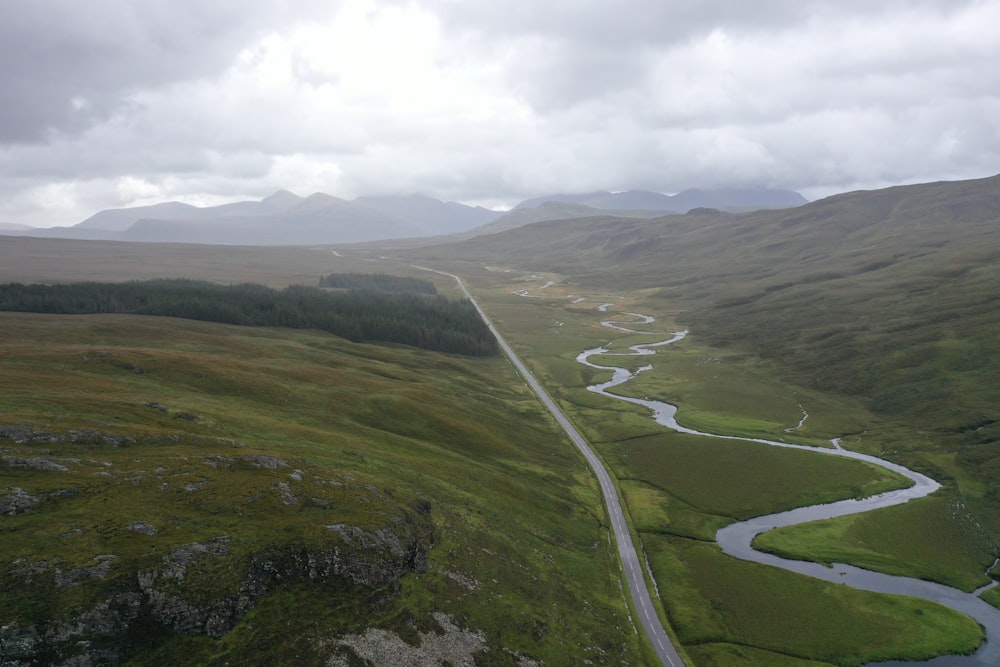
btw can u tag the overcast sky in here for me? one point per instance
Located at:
(112, 103)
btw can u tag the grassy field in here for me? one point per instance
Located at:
(520, 552)
(680, 489)
(721, 607)
(888, 299)
(179, 421)
(950, 547)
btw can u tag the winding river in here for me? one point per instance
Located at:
(735, 539)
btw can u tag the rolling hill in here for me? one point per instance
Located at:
(892, 295)
(728, 199)
(190, 486)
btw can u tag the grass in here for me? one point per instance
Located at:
(885, 334)
(679, 489)
(718, 601)
(520, 548)
(738, 480)
(949, 547)
(883, 301)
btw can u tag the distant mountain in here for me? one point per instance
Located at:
(433, 216)
(13, 226)
(120, 219)
(283, 218)
(554, 210)
(319, 218)
(725, 199)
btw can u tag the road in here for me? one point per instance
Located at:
(641, 599)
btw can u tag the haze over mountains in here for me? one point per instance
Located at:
(284, 218)
(729, 199)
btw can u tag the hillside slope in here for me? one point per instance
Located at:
(178, 492)
(892, 295)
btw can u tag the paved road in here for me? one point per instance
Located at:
(630, 560)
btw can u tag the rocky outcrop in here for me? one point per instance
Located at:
(25, 435)
(452, 646)
(354, 556)
(16, 500)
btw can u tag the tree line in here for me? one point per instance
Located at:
(361, 315)
(378, 281)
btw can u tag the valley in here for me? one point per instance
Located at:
(252, 455)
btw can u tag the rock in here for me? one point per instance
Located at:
(175, 563)
(453, 646)
(22, 435)
(264, 461)
(20, 645)
(32, 464)
(161, 597)
(142, 527)
(99, 570)
(17, 501)
(286, 493)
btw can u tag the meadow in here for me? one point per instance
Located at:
(163, 433)
(791, 313)
(679, 489)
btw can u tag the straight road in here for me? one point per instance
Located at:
(648, 619)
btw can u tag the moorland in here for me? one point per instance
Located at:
(195, 498)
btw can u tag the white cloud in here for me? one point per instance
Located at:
(203, 102)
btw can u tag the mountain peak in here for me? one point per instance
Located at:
(282, 196)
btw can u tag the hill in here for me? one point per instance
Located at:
(11, 226)
(729, 199)
(551, 210)
(431, 216)
(910, 273)
(182, 492)
(892, 295)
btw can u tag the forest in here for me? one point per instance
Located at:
(381, 282)
(427, 321)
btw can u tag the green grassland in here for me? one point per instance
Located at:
(875, 313)
(949, 546)
(722, 607)
(176, 425)
(888, 299)
(679, 489)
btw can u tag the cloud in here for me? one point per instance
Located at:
(116, 103)
(69, 65)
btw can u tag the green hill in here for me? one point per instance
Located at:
(893, 293)
(890, 295)
(175, 491)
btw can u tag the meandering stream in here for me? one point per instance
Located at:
(735, 539)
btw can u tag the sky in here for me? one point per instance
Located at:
(116, 103)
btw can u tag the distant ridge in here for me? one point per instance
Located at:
(432, 215)
(282, 218)
(726, 199)
(554, 210)
(285, 218)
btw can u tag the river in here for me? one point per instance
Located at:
(735, 539)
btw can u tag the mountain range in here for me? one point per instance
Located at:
(728, 199)
(285, 218)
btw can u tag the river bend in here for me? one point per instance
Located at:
(735, 539)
